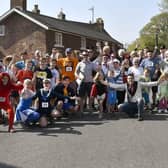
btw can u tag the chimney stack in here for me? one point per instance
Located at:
(61, 15)
(19, 4)
(100, 24)
(36, 9)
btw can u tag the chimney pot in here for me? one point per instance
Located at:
(61, 15)
(36, 9)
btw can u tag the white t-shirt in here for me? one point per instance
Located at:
(137, 71)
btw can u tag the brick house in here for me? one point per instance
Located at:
(24, 30)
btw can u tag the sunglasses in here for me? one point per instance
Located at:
(46, 82)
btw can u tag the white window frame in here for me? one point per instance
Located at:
(58, 39)
(2, 30)
(106, 43)
(98, 46)
(83, 43)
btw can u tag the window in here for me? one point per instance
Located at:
(2, 30)
(105, 43)
(83, 43)
(98, 46)
(58, 39)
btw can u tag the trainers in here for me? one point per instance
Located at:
(11, 130)
(154, 109)
(165, 111)
(140, 118)
(100, 115)
(159, 111)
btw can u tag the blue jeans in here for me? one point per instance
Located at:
(34, 117)
(132, 108)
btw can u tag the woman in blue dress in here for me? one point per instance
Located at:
(24, 112)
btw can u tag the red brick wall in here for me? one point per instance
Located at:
(21, 34)
(50, 38)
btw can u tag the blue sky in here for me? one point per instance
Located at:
(123, 19)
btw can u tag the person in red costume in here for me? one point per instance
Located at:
(6, 86)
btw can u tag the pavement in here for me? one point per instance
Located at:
(114, 142)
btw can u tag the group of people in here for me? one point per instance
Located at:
(42, 87)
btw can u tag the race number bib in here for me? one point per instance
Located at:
(45, 105)
(2, 99)
(41, 75)
(68, 69)
(150, 64)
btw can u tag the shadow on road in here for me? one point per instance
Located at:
(70, 125)
(4, 165)
(156, 117)
(147, 116)
(63, 126)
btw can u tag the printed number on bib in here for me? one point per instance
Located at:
(2, 99)
(44, 104)
(68, 69)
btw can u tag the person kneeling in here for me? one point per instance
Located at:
(45, 107)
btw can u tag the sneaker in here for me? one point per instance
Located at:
(11, 130)
(159, 111)
(140, 119)
(165, 111)
(100, 115)
(154, 109)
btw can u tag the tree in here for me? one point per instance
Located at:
(156, 31)
(163, 5)
(156, 28)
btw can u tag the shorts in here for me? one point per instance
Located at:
(101, 97)
(85, 89)
(112, 97)
(66, 106)
(154, 89)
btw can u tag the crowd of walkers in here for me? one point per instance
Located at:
(39, 88)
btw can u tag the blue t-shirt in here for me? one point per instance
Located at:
(150, 63)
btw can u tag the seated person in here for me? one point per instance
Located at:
(24, 112)
(65, 93)
(46, 108)
(134, 103)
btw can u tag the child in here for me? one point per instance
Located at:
(23, 111)
(163, 92)
(146, 91)
(99, 91)
(111, 93)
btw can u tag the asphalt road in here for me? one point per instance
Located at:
(116, 142)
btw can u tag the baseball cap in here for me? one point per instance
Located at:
(85, 53)
(46, 80)
(116, 60)
(68, 50)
